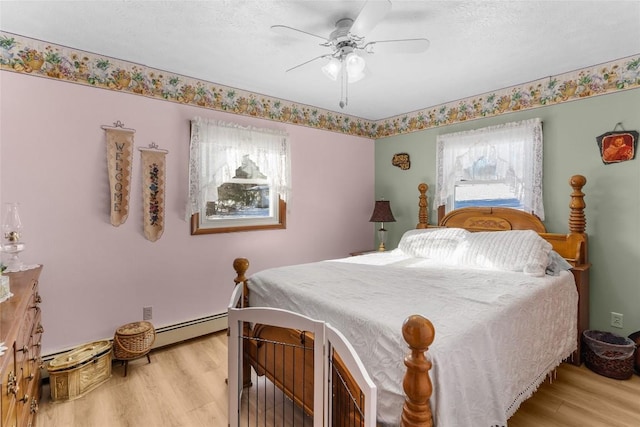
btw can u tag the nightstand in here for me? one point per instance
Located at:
(368, 251)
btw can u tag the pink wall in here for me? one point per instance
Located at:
(97, 277)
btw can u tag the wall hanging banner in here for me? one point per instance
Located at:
(153, 183)
(119, 160)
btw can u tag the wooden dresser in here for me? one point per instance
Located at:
(21, 330)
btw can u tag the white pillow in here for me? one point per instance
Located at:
(513, 250)
(434, 243)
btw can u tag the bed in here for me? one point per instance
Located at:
(508, 301)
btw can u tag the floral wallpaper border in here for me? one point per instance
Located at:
(25, 55)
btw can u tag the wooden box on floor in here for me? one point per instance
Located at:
(79, 371)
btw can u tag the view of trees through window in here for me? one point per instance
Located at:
(246, 195)
(237, 200)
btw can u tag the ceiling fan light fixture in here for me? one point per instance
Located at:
(332, 69)
(355, 77)
(355, 64)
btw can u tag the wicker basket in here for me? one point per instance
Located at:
(635, 337)
(609, 354)
(133, 340)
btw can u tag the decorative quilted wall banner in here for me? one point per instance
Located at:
(119, 161)
(153, 183)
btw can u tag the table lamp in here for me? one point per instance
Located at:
(382, 213)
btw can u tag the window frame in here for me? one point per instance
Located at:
(280, 223)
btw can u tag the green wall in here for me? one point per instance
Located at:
(612, 191)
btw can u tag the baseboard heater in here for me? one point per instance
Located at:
(169, 335)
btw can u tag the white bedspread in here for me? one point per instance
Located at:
(497, 333)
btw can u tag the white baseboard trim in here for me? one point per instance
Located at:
(169, 335)
(173, 334)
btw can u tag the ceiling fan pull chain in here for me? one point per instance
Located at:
(344, 97)
(346, 87)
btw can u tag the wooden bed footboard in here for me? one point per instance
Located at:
(285, 357)
(295, 378)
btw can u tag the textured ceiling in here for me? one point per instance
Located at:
(476, 46)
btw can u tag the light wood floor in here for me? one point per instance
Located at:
(184, 386)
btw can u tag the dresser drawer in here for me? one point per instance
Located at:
(21, 330)
(9, 391)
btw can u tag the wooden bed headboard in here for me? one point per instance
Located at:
(572, 246)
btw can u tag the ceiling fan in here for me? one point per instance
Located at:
(347, 43)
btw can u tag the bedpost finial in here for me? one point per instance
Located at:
(240, 265)
(418, 332)
(577, 220)
(423, 213)
(577, 182)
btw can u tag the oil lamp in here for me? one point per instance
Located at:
(11, 236)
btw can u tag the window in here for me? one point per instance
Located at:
(485, 193)
(493, 166)
(239, 177)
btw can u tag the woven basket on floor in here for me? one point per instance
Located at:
(608, 354)
(133, 340)
(635, 337)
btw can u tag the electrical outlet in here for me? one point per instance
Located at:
(147, 313)
(616, 320)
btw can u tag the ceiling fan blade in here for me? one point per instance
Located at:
(372, 12)
(328, 55)
(398, 46)
(294, 32)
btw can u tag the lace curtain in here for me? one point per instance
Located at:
(511, 153)
(218, 148)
